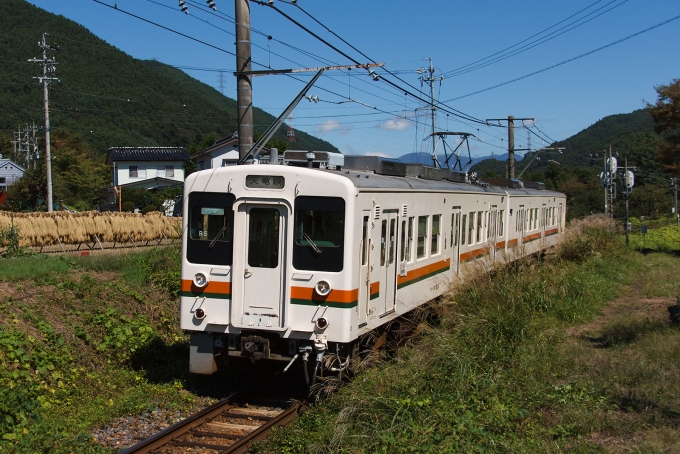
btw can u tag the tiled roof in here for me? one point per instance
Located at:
(117, 154)
(218, 143)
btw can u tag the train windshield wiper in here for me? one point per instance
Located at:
(311, 243)
(212, 243)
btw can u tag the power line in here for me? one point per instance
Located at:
(569, 60)
(474, 66)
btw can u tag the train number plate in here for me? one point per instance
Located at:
(265, 182)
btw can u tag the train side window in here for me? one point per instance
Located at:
(364, 242)
(480, 217)
(436, 227)
(462, 229)
(422, 234)
(409, 245)
(393, 232)
(501, 230)
(383, 242)
(471, 228)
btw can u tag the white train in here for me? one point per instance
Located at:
(281, 261)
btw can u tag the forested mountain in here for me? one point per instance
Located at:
(575, 171)
(105, 96)
(623, 131)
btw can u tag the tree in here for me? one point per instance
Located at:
(666, 115)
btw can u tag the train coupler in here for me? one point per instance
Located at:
(255, 347)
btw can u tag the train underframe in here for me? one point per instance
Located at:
(210, 350)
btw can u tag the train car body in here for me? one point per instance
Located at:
(280, 260)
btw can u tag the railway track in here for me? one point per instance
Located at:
(228, 426)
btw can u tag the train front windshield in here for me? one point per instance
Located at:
(319, 233)
(211, 228)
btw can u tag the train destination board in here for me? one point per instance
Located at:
(265, 182)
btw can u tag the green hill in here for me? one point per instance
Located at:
(106, 96)
(625, 132)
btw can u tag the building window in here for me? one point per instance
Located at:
(169, 172)
(133, 172)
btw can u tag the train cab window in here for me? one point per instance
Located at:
(480, 217)
(422, 234)
(462, 229)
(471, 228)
(436, 228)
(263, 237)
(319, 233)
(211, 228)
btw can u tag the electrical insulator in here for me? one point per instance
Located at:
(211, 4)
(183, 7)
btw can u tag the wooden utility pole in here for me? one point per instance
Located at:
(244, 83)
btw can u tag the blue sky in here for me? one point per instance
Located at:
(401, 33)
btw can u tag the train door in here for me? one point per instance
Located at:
(559, 218)
(455, 239)
(364, 268)
(388, 260)
(259, 269)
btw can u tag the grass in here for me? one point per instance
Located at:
(530, 358)
(84, 340)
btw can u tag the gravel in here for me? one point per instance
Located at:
(127, 431)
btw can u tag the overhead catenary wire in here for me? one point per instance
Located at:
(482, 63)
(568, 60)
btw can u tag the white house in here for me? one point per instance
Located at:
(224, 152)
(144, 168)
(9, 173)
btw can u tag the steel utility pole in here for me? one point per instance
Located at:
(510, 171)
(48, 68)
(244, 83)
(430, 79)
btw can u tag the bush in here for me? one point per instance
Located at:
(587, 237)
(128, 206)
(149, 209)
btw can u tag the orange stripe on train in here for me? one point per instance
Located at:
(335, 296)
(474, 253)
(212, 287)
(419, 272)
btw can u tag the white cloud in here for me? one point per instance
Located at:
(331, 126)
(396, 124)
(376, 153)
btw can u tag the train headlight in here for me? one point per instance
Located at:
(321, 323)
(323, 288)
(199, 314)
(200, 280)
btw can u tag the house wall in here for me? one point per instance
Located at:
(214, 159)
(122, 171)
(8, 174)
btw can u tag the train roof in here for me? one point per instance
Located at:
(370, 180)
